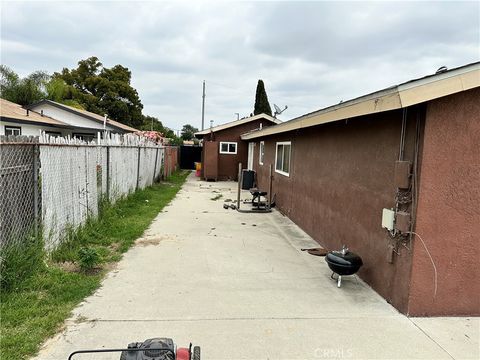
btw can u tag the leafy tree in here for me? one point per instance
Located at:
(90, 86)
(175, 140)
(261, 100)
(22, 91)
(152, 123)
(103, 90)
(169, 133)
(188, 132)
(57, 90)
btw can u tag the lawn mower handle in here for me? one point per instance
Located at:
(116, 350)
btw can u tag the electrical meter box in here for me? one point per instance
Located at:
(402, 174)
(388, 218)
(402, 221)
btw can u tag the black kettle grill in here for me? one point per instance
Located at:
(343, 262)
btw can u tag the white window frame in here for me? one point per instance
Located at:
(228, 147)
(13, 129)
(289, 158)
(261, 152)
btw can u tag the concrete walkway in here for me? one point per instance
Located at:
(239, 286)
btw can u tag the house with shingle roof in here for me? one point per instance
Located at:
(55, 119)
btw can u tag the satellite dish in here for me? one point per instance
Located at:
(278, 111)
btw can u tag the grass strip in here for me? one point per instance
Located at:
(36, 308)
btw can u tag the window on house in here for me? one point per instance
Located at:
(13, 130)
(261, 152)
(282, 158)
(85, 137)
(228, 147)
(53, 133)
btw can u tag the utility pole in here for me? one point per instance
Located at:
(203, 106)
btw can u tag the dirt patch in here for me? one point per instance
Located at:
(81, 319)
(110, 266)
(69, 266)
(114, 247)
(73, 267)
(153, 240)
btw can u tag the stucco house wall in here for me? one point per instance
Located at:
(228, 163)
(342, 176)
(448, 218)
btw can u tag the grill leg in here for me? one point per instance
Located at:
(339, 283)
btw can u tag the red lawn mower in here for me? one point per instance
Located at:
(150, 349)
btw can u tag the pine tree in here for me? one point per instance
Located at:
(261, 100)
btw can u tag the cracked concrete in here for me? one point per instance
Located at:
(239, 286)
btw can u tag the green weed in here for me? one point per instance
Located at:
(19, 261)
(88, 258)
(39, 298)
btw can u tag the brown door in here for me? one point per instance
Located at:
(210, 161)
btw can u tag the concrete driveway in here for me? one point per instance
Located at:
(239, 286)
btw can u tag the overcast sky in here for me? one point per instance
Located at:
(310, 55)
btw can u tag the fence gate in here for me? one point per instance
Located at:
(189, 155)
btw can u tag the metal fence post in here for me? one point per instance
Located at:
(138, 167)
(155, 166)
(108, 172)
(35, 187)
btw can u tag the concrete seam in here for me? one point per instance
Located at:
(440, 346)
(237, 319)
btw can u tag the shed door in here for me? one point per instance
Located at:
(251, 148)
(210, 160)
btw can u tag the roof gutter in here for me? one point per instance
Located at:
(34, 122)
(236, 123)
(389, 100)
(397, 97)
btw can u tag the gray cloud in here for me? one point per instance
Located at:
(310, 54)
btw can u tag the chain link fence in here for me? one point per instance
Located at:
(59, 183)
(19, 189)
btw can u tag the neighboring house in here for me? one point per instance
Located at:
(223, 149)
(335, 169)
(16, 120)
(86, 123)
(56, 120)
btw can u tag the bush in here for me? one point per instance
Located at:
(88, 258)
(19, 262)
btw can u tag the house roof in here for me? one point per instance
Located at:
(10, 111)
(396, 97)
(238, 122)
(86, 114)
